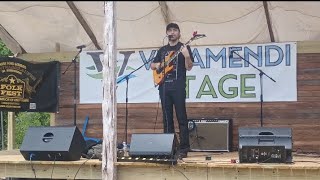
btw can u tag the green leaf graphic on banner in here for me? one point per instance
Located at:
(96, 76)
(91, 68)
(129, 68)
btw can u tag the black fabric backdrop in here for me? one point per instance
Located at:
(26, 86)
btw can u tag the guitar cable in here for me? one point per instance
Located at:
(164, 94)
(155, 123)
(32, 168)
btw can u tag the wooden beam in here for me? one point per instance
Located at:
(2, 129)
(10, 42)
(53, 115)
(308, 47)
(47, 57)
(12, 164)
(164, 11)
(57, 47)
(109, 102)
(195, 167)
(266, 11)
(83, 23)
(11, 131)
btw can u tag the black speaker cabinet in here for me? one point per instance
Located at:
(153, 145)
(265, 145)
(210, 134)
(59, 143)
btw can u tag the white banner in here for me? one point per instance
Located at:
(215, 77)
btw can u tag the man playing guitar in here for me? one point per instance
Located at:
(172, 84)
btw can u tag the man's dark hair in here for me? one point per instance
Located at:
(172, 25)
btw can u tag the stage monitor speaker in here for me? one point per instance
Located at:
(153, 145)
(210, 134)
(265, 145)
(56, 143)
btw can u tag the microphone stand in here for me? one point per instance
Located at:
(261, 84)
(127, 82)
(74, 62)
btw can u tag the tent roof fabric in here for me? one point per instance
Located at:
(38, 26)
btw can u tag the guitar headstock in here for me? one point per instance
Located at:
(195, 36)
(195, 33)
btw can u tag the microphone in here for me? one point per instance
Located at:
(81, 46)
(199, 35)
(170, 36)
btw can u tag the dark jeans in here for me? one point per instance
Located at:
(177, 98)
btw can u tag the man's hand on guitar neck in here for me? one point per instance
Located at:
(187, 56)
(155, 66)
(185, 52)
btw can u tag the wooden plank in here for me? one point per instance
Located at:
(57, 47)
(47, 57)
(181, 173)
(60, 171)
(52, 119)
(53, 115)
(308, 47)
(195, 166)
(11, 131)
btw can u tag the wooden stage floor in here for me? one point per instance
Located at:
(194, 167)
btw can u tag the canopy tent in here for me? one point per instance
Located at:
(38, 27)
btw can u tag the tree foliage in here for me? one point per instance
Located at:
(4, 51)
(25, 120)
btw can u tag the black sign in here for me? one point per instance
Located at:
(26, 86)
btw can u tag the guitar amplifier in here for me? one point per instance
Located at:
(265, 145)
(210, 134)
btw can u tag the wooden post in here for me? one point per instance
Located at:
(109, 106)
(52, 119)
(11, 131)
(53, 115)
(57, 47)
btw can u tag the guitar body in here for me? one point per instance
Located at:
(166, 67)
(160, 74)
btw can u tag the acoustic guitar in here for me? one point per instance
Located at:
(166, 66)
